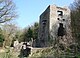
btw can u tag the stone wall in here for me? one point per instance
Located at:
(49, 23)
(44, 27)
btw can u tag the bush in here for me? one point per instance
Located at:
(43, 53)
(1, 40)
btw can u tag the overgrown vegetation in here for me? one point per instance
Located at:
(75, 19)
(9, 32)
(1, 38)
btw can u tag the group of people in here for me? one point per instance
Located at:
(23, 47)
(25, 50)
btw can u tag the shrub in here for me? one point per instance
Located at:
(1, 40)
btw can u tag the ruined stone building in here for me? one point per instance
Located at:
(49, 23)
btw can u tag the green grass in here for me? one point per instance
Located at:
(43, 53)
(9, 54)
(38, 53)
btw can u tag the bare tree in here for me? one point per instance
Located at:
(7, 10)
(75, 18)
(9, 32)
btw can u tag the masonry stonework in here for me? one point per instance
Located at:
(49, 23)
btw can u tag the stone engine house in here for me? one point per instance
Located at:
(49, 23)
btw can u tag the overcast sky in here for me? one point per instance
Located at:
(30, 10)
